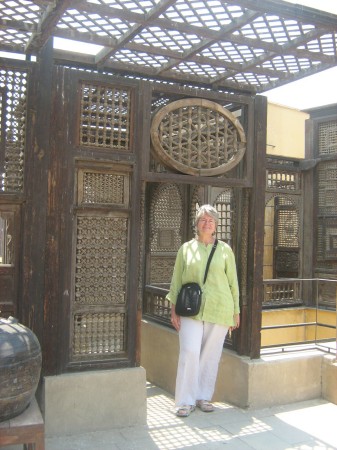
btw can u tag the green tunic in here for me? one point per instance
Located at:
(220, 293)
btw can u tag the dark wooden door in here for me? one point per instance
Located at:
(93, 157)
(84, 196)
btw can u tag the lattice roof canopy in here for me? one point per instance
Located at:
(238, 45)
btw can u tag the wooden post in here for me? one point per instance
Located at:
(308, 241)
(256, 231)
(31, 309)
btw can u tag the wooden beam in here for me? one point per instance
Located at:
(283, 50)
(205, 43)
(158, 51)
(109, 12)
(47, 23)
(206, 33)
(286, 10)
(64, 57)
(18, 25)
(290, 78)
(155, 12)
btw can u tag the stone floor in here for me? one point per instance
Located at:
(308, 425)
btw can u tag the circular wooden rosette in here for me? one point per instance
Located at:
(197, 137)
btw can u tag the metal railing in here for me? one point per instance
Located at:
(316, 294)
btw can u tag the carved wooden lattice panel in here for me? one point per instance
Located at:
(161, 269)
(198, 137)
(327, 182)
(286, 264)
(282, 232)
(225, 206)
(194, 206)
(105, 117)
(327, 211)
(282, 237)
(165, 231)
(327, 138)
(99, 307)
(101, 260)
(327, 239)
(96, 187)
(165, 220)
(13, 111)
(287, 228)
(330, 238)
(98, 334)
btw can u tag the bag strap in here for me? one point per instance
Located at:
(209, 258)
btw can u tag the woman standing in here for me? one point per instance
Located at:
(201, 337)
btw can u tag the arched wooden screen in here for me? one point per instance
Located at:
(166, 216)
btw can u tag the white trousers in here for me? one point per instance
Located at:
(201, 345)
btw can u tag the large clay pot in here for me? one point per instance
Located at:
(20, 367)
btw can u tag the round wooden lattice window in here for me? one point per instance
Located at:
(197, 137)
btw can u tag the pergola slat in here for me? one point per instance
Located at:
(238, 45)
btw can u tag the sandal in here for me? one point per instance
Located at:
(205, 406)
(185, 410)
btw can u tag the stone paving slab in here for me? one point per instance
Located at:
(308, 425)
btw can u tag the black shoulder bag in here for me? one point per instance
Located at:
(189, 297)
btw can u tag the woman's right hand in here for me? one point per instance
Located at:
(175, 319)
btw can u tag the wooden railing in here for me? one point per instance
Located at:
(156, 307)
(277, 293)
(281, 293)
